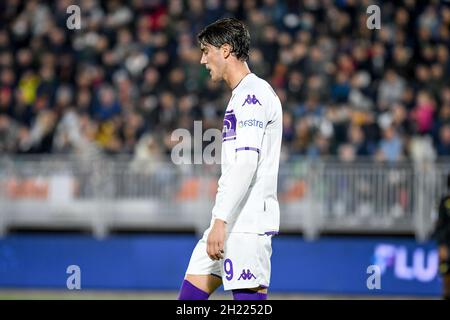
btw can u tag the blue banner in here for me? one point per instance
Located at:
(340, 265)
(343, 266)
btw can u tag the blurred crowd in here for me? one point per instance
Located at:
(131, 75)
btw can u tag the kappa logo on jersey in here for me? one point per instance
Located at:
(246, 275)
(251, 100)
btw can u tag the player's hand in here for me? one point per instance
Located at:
(216, 240)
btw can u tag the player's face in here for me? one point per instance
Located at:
(212, 58)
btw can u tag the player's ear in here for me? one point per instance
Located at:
(226, 50)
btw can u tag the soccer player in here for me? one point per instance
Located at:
(236, 249)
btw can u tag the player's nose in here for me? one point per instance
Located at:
(203, 59)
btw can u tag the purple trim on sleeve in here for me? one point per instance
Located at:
(230, 111)
(247, 148)
(229, 139)
(271, 233)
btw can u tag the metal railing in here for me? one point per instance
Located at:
(112, 193)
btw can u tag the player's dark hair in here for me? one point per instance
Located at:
(230, 31)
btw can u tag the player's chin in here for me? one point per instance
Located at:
(215, 78)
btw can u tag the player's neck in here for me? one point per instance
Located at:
(236, 74)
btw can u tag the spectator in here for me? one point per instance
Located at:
(106, 105)
(132, 69)
(390, 90)
(423, 112)
(443, 146)
(357, 141)
(391, 146)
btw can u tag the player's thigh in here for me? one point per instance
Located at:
(202, 271)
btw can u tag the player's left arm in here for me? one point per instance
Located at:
(251, 122)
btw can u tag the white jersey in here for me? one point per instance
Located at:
(252, 124)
